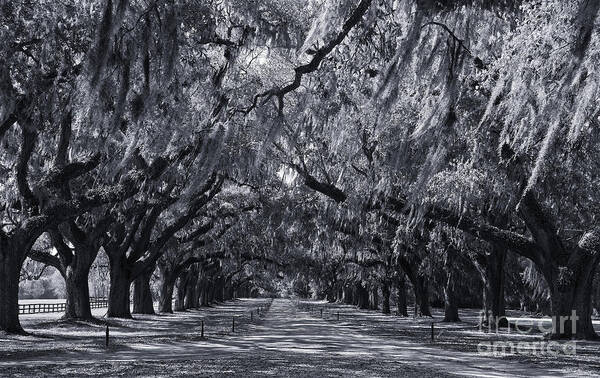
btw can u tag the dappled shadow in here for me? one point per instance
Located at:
(52, 337)
(360, 342)
(461, 337)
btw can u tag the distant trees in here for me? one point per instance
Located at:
(301, 287)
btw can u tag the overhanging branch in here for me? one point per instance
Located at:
(313, 65)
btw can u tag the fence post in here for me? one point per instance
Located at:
(431, 331)
(338, 315)
(107, 335)
(202, 330)
(251, 316)
(233, 324)
(321, 312)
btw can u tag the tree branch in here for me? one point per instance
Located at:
(28, 140)
(512, 240)
(314, 63)
(58, 177)
(64, 140)
(47, 259)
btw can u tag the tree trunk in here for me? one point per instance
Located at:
(211, 293)
(420, 287)
(330, 296)
(142, 294)
(491, 269)
(571, 297)
(227, 292)
(199, 288)
(165, 302)
(422, 297)
(78, 292)
(191, 293)
(450, 305)
(181, 289)
(362, 295)
(401, 297)
(204, 288)
(374, 298)
(244, 290)
(331, 293)
(596, 295)
(77, 271)
(118, 296)
(219, 297)
(385, 292)
(348, 297)
(230, 290)
(11, 261)
(205, 295)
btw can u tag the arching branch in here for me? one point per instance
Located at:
(313, 65)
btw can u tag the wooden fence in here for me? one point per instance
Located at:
(39, 308)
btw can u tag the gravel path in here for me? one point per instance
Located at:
(285, 342)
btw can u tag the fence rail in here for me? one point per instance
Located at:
(40, 308)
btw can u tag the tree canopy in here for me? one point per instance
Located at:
(346, 144)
